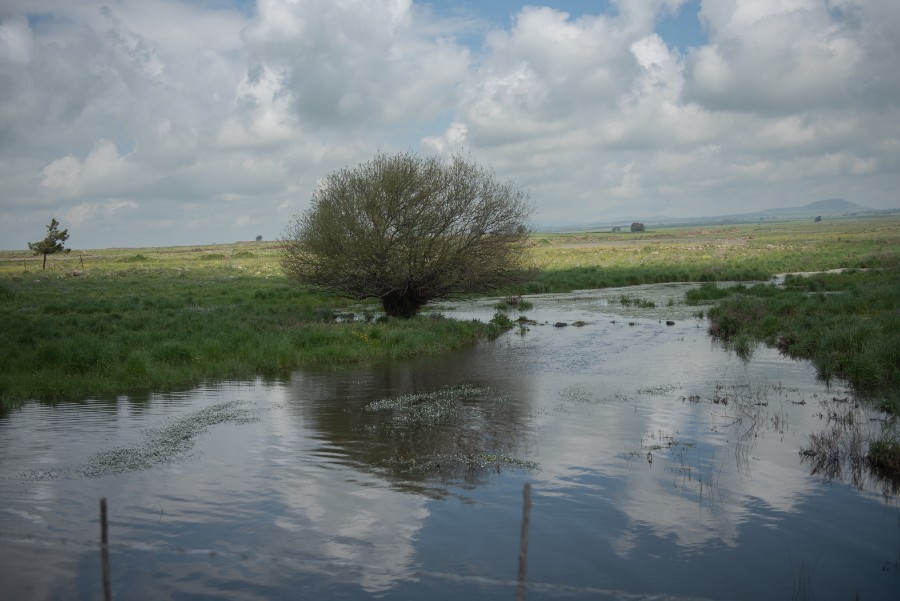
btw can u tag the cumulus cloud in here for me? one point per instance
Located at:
(192, 109)
(777, 57)
(356, 61)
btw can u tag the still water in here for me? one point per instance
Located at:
(662, 465)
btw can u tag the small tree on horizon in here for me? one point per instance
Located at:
(407, 230)
(259, 238)
(52, 244)
(637, 227)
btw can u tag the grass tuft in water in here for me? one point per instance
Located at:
(628, 301)
(510, 303)
(884, 458)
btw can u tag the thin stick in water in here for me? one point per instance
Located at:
(104, 551)
(523, 544)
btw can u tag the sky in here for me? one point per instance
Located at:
(181, 122)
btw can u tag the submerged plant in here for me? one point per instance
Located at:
(884, 458)
(169, 443)
(455, 432)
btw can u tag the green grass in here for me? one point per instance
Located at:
(566, 262)
(104, 322)
(74, 337)
(848, 324)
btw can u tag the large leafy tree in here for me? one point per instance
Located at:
(407, 230)
(52, 244)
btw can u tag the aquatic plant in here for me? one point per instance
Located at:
(165, 445)
(449, 433)
(627, 301)
(884, 458)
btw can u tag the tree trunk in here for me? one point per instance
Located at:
(44, 268)
(402, 304)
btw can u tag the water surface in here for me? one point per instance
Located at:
(663, 466)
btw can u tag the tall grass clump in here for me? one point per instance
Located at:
(884, 458)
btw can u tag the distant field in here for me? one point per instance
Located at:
(106, 322)
(771, 247)
(248, 258)
(564, 261)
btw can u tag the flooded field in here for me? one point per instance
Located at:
(663, 466)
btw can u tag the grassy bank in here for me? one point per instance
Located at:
(847, 323)
(67, 336)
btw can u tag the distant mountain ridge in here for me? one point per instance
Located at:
(830, 205)
(826, 207)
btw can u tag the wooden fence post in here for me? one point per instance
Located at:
(523, 543)
(104, 551)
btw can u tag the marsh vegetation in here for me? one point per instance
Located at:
(656, 457)
(104, 322)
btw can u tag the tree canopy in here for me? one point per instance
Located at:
(53, 243)
(407, 230)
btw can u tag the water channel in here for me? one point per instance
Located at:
(662, 466)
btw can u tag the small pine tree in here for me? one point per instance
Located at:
(52, 244)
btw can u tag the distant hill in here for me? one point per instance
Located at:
(829, 206)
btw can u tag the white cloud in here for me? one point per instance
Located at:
(82, 213)
(103, 168)
(355, 61)
(15, 41)
(189, 110)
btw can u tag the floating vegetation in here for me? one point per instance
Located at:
(580, 395)
(659, 390)
(458, 432)
(447, 464)
(167, 444)
(430, 407)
